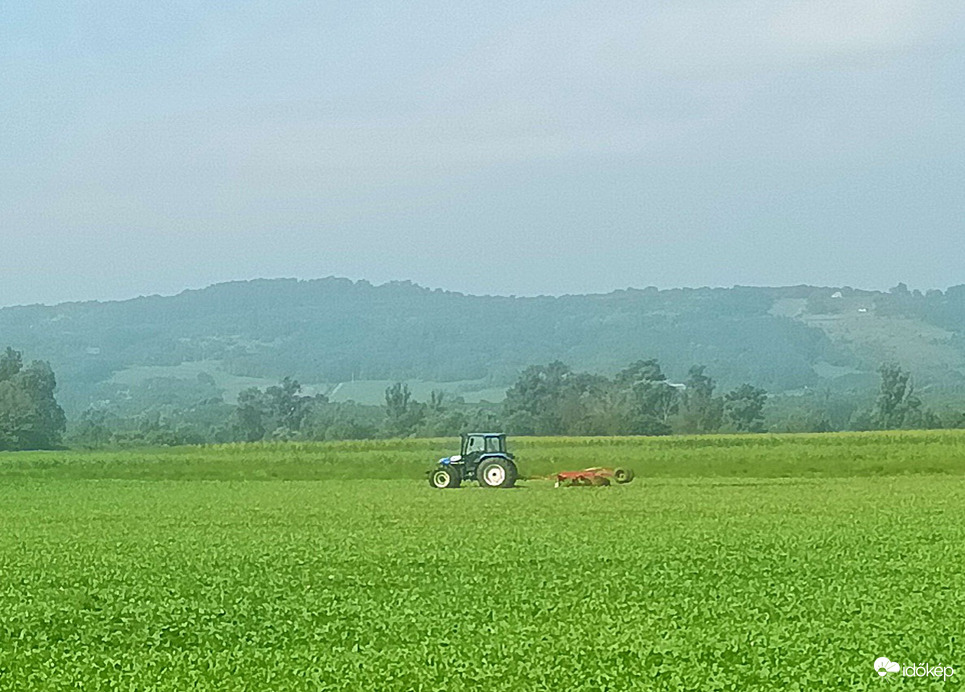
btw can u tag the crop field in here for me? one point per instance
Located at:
(730, 563)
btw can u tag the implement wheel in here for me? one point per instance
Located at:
(623, 475)
(496, 473)
(444, 477)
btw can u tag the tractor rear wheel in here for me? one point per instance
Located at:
(496, 473)
(623, 475)
(444, 477)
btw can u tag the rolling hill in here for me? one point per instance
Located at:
(348, 339)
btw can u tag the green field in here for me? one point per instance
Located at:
(368, 392)
(731, 563)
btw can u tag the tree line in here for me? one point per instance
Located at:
(639, 400)
(548, 399)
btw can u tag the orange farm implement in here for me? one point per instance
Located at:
(593, 476)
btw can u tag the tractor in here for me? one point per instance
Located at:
(482, 457)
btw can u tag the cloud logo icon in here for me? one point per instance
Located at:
(883, 666)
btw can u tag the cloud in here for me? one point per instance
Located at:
(698, 38)
(603, 78)
(625, 78)
(614, 39)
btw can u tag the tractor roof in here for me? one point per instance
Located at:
(484, 434)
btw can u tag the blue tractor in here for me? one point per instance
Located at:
(482, 457)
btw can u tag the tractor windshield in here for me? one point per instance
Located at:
(495, 444)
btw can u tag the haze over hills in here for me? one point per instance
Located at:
(348, 339)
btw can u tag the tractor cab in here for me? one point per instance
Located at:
(477, 444)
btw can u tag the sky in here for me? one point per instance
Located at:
(496, 147)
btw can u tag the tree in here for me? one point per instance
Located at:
(744, 408)
(648, 399)
(437, 401)
(441, 423)
(92, 430)
(402, 415)
(896, 397)
(11, 363)
(897, 404)
(533, 404)
(249, 416)
(279, 412)
(640, 371)
(607, 412)
(30, 417)
(553, 400)
(16, 419)
(342, 421)
(700, 411)
(50, 422)
(286, 409)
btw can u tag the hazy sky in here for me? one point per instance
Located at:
(494, 147)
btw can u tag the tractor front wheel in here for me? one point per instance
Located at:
(444, 477)
(496, 473)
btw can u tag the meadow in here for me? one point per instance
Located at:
(731, 563)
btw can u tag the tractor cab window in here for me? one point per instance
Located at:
(475, 444)
(494, 444)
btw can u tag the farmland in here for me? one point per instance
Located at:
(731, 563)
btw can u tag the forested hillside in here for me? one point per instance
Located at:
(332, 332)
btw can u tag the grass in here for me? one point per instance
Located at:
(747, 456)
(778, 562)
